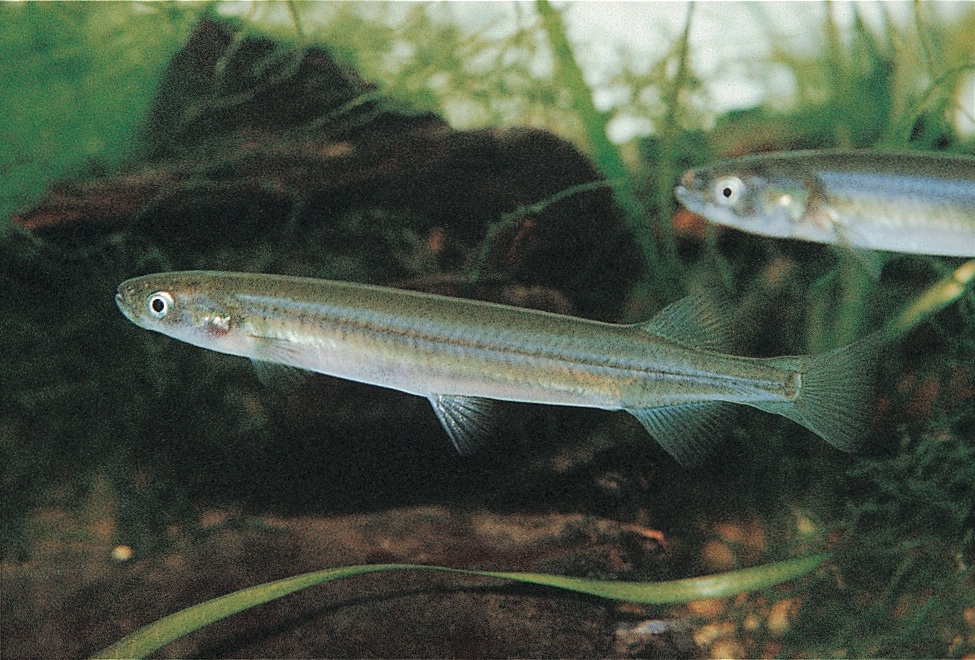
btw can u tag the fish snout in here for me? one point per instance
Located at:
(130, 300)
(686, 186)
(125, 306)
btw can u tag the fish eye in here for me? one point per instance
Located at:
(159, 304)
(728, 190)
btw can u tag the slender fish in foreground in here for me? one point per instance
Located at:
(668, 372)
(911, 202)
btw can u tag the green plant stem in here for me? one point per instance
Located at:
(855, 285)
(605, 153)
(665, 171)
(934, 299)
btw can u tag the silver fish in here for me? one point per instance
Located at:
(460, 354)
(911, 202)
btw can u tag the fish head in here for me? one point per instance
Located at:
(735, 194)
(184, 307)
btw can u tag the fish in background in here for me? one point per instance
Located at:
(911, 202)
(670, 372)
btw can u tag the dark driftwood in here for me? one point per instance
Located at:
(387, 615)
(231, 159)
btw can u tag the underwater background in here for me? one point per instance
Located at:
(385, 144)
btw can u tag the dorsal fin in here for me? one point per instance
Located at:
(701, 320)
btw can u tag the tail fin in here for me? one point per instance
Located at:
(835, 393)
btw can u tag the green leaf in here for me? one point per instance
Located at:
(156, 635)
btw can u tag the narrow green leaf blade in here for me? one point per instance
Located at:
(153, 637)
(168, 629)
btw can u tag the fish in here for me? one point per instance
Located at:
(669, 372)
(916, 203)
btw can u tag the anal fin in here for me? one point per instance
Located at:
(688, 432)
(467, 419)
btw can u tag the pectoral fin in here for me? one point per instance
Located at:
(687, 432)
(278, 376)
(848, 245)
(467, 419)
(272, 361)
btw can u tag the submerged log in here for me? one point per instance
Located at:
(312, 163)
(397, 614)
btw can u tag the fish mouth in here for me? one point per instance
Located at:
(125, 307)
(688, 190)
(690, 199)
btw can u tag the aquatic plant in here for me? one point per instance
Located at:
(154, 636)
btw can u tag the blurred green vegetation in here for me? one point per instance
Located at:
(77, 83)
(87, 397)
